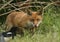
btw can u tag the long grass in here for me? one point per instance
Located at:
(49, 30)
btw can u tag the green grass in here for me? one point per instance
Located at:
(39, 38)
(49, 30)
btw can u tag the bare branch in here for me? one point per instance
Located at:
(17, 9)
(26, 2)
(6, 4)
(50, 4)
(23, 3)
(32, 3)
(12, 6)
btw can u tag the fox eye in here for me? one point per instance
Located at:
(32, 20)
(38, 19)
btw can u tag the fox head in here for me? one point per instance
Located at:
(35, 17)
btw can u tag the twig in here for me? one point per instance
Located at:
(50, 4)
(23, 3)
(17, 9)
(27, 3)
(47, 7)
(12, 6)
(33, 3)
(6, 4)
(5, 13)
(28, 7)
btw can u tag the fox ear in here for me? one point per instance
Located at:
(40, 11)
(29, 12)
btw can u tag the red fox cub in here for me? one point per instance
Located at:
(22, 20)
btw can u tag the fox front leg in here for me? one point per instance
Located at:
(21, 31)
(32, 31)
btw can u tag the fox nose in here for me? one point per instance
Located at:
(35, 26)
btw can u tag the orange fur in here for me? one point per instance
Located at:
(22, 19)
